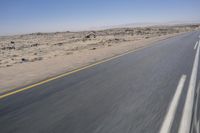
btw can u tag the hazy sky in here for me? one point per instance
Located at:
(25, 16)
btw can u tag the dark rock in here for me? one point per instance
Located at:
(146, 37)
(93, 48)
(24, 60)
(59, 44)
(34, 45)
(39, 33)
(38, 58)
(15, 55)
(91, 35)
(8, 65)
(8, 48)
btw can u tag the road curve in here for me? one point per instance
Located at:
(129, 94)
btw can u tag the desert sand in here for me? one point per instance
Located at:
(30, 58)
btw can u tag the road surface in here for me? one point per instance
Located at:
(146, 91)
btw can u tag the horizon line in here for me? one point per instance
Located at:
(98, 28)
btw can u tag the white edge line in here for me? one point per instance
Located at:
(196, 107)
(195, 120)
(167, 123)
(186, 119)
(198, 127)
(196, 45)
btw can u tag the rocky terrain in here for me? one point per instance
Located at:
(34, 47)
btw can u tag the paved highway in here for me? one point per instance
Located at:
(151, 90)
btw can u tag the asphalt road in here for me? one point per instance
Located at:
(129, 94)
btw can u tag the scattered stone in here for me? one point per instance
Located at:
(12, 42)
(8, 48)
(147, 37)
(75, 49)
(24, 60)
(59, 44)
(34, 45)
(93, 48)
(69, 53)
(139, 32)
(73, 37)
(90, 35)
(36, 59)
(14, 55)
(39, 33)
(148, 29)
(8, 65)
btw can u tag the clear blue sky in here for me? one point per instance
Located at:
(25, 16)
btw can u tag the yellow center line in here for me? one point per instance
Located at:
(63, 75)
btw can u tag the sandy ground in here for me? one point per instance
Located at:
(26, 59)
